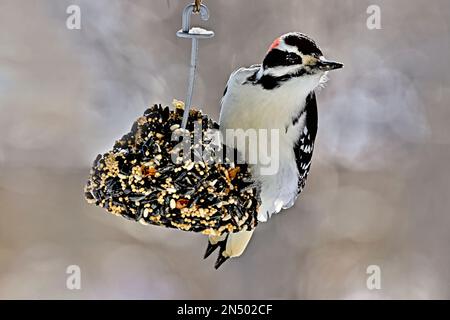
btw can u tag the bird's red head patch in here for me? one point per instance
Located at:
(275, 44)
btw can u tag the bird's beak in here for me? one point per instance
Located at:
(326, 65)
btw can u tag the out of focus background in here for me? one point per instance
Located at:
(378, 193)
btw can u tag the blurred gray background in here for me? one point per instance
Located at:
(378, 192)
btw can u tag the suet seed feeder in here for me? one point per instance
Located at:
(140, 179)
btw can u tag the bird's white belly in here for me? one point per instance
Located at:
(278, 191)
(279, 188)
(249, 107)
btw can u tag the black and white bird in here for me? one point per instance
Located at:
(277, 94)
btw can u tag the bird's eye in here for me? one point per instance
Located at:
(293, 58)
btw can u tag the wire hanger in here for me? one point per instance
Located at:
(195, 34)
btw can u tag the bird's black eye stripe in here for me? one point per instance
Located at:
(276, 58)
(293, 58)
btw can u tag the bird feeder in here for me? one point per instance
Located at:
(150, 177)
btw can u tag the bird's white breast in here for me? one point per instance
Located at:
(250, 106)
(247, 106)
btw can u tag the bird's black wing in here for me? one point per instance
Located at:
(303, 148)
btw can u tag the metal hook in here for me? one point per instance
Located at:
(195, 34)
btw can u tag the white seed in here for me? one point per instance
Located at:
(142, 221)
(190, 166)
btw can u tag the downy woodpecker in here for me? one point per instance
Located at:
(277, 94)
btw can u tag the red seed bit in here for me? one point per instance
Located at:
(232, 173)
(182, 203)
(148, 171)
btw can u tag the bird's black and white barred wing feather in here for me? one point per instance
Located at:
(304, 147)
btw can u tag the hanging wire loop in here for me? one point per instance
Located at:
(195, 34)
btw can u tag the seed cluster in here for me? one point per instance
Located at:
(146, 178)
